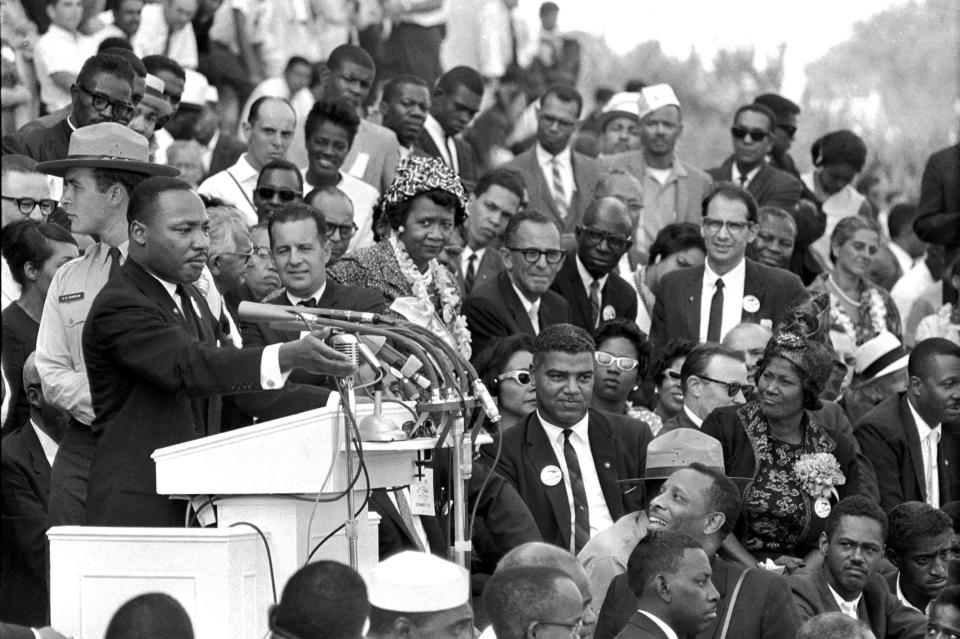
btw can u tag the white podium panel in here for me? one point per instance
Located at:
(220, 576)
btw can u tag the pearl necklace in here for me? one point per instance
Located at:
(846, 298)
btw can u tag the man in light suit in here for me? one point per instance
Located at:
(670, 574)
(700, 309)
(588, 278)
(519, 299)
(566, 460)
(456, 100)
(559, 180)
(754, 126)
(900, 433)
(848, 581)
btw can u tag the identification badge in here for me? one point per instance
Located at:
(751, 304)
(609, 313)
(421, 492)
(71, 297)
(551, 476)
(822, 507)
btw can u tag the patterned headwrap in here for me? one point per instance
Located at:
(801, 341)
(418, 174)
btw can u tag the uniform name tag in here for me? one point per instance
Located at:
(71, 297)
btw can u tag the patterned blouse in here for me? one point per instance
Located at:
(877, 311)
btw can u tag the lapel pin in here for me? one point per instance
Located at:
(551, 475)
(606, 465)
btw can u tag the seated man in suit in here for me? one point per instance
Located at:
(848, 582)
(708, 376)
(337, 210)
(456, 100)
(588, 278)
(495, 200)
(567, 460)
(902, 435)
(919, 546)
(280, 182)
(560, 181)
(519, 299)
(670, 574)
(520, 600)
(707, 301)
(753, 131)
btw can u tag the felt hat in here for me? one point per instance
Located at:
(107, 145)
(879, 356)
(625, 103)
(413, 581)
(655, 96)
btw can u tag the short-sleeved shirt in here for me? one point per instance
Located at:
(58, 51)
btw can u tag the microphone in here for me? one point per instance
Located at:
(400, 365)
(255, 312)
(346, 343)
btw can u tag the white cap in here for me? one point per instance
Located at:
(879, 356)
(655, 96)
(418, 582)
(194, 88)
(155, 83)
(623, 103)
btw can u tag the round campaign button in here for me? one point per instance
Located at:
(609, 313)
(822, 507)
(751, 304)
(551, 476)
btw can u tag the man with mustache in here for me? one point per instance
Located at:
(848, 582)
(919, 546)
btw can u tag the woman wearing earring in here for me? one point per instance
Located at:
(858, 307)
(421, 208)
(676, 246)
(619, 364)
(504, 368)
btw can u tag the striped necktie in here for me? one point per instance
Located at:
(559, 194)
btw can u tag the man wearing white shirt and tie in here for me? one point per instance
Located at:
(455, 101)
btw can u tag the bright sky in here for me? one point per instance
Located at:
(809, 28)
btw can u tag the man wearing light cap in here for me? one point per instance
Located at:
(415, 594)
(672, 189)
(620, 124)
(880, 372)
(154, 106)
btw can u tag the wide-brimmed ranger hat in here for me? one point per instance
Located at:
(107, 145)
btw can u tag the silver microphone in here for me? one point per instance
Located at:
(348, 344)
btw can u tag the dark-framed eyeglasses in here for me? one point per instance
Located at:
(263, 252)
(346, 230)
(732, 387)
(622, 363)
(246, 257)
(521, 377)
(672, 374)
(789, 129)
(285, 195)
(615, 241)
(735, 227)
(757, 135)
(100, 102)
(26, 205)
(532, 255)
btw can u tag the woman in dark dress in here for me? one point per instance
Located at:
(34, 251)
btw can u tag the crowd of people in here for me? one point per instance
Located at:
(729, 397)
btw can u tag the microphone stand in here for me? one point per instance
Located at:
(347, 343)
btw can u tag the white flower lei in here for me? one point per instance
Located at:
(448, 291)
(877, 311)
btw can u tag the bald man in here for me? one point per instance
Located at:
(749, 340)
(337, 210)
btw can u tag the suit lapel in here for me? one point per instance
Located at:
(913, 443)
(515, 304)
(541, 454)
(571, 274)
(758, 184)
(753, 285)
(603, 445)
(152, 288)
(693, 295)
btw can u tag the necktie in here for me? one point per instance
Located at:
(743, 180)
(849, 608)
(534, 315)
(595, 303)
(471, 275)
(116, 259)
(310, 303)
(581, 509)
(931, 472)
(186, 306)
(716, 314)
(207, 410)
(559, 195)
(403, 507)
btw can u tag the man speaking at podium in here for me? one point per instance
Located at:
(155, 369)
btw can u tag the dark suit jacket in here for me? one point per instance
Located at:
(764, 608)
(13, 631)
(880, 609)
(466, 158)
(677, 314)
(770, 187)
(888, 437)
(40, 143)
(148, 375)
(619, 447)
(616, 294)
(494, 310)
(491, 265)
(393, 535)
(586, 172)
(225, 154)
(938, 212)
(641, 626)
(24, 496)
(680, 420)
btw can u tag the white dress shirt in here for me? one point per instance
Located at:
(587, 280)
(465, 258)
(152, 35)
(532, 309)
(929, 440)
(444, 144)
(565, 160)
(692, 416)
(47, 443)
(733, 285)
(903, 258)
(736, 174)
(56, 51)
(580, 440)
(235, 186)
(667, 630)
(848, 608)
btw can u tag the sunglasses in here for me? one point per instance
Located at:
(520, 376)
(100, 102)
(596, 237)
(622, 363)
(346, 230)
(756, 135)
(26, 205)
(788, 129)
(285, 195)
(672, 374)
(532, 255)
(732, 387)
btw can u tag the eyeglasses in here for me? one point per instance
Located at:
(532, 255)
(519, 376)
(26, 205)
(263, 252)
(596, 236)
(246, 257)
(574, 628)
(100, 102)
(936, 631)
(346, 230)
(788, 129)
(713, 226)
(732, 387)
(757, 135)
(623, 363)
(285, 195)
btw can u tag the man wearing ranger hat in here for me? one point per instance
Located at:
(104, 163)
(415, 594)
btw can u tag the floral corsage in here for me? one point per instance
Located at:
(819, 475)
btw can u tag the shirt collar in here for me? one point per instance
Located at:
(555, 433)
(903, 599)
(563, 157)
(243, 170)
(47, 443)
(692, 416)
(923, 428)
(587, 278)
(435, 131)
(752, 173)
(737, 273)
(527, 304)
(212, 144)
(317, 294)
(102, 251)
(840, 600)
(667, 630)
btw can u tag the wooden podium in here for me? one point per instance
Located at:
(282, 476)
